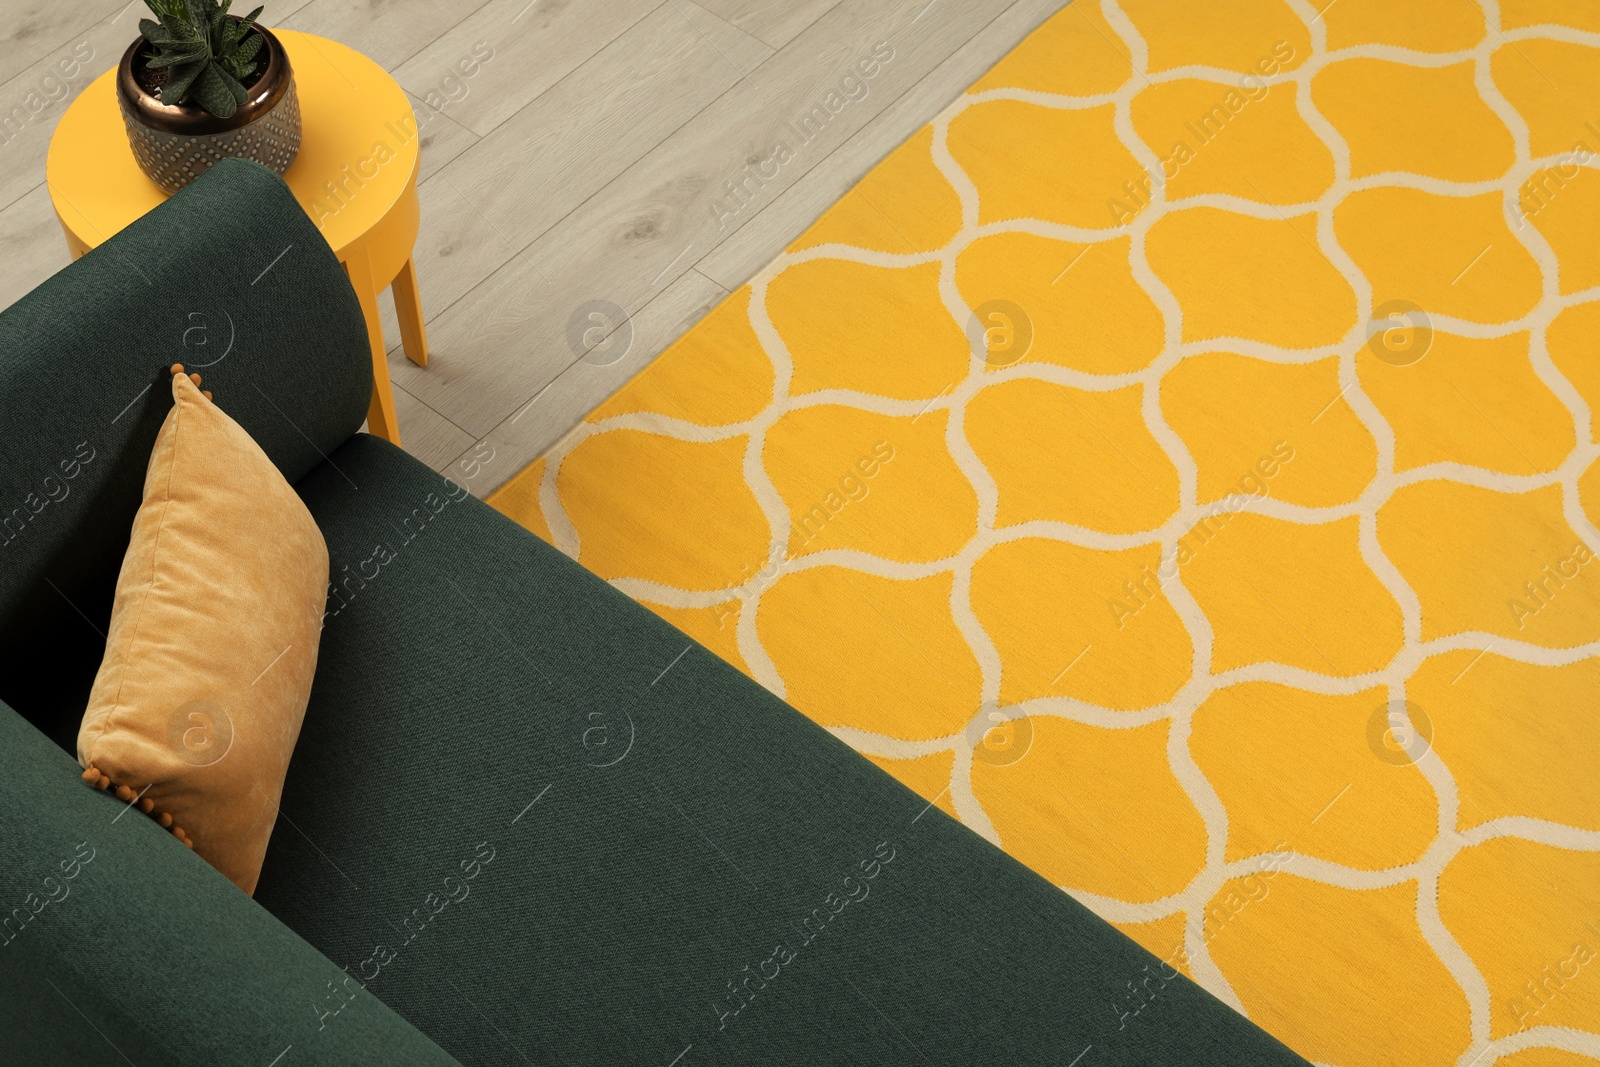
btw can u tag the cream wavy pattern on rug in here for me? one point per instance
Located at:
(1483, 1047)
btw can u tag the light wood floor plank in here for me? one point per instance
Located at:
(43, 91)
(777, 22)
(442, 137)
(737, 48)
(453, 244)
(388, 32)
(34, 29)
(31, 245)
(535, 44)
(505, 340)
(428, 435)
(535, 168)
(737, 259)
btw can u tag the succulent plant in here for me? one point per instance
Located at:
(207, 55)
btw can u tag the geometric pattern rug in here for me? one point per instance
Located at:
(1178, 462)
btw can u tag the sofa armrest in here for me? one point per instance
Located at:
(229, 277)
(114, 934)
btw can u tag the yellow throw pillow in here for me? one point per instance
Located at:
(213, 640)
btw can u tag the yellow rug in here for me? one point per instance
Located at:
(1178, 462)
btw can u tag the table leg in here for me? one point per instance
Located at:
(381, 419)
(408, 308)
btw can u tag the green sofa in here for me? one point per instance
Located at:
(527, 821)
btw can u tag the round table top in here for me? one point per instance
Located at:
(358, 150)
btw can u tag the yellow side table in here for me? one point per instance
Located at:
(356, 176)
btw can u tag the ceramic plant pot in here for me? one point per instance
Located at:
(175, 145)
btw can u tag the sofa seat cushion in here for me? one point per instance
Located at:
(545, 826)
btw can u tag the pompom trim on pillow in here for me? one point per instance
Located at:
(163, 819)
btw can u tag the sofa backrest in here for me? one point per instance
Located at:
(229, 277)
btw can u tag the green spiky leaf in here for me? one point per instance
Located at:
(155, 33)
(247, 51)
(238, 68)
(174, 57)
(179, 80)
(180, 30)
(217, 91)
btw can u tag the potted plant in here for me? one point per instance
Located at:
(200, 85)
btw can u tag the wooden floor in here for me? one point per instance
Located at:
(606, 156)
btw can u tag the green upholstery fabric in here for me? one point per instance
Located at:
(147, 955)
(230, 273)
(660, 825)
